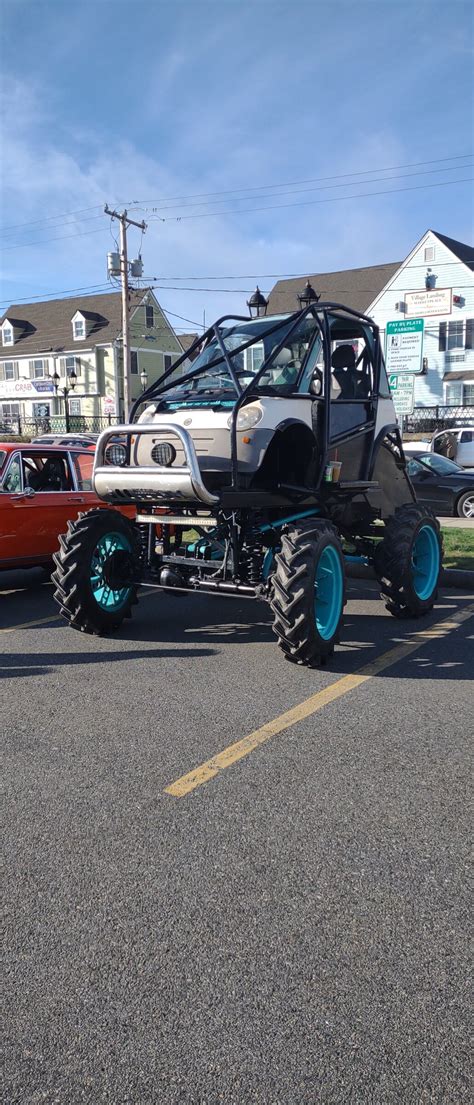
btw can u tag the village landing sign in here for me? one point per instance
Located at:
(404, 346)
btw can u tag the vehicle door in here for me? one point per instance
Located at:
(11, 521)
(430, 489)
(41, 503)
(353, 397)
(465, 449)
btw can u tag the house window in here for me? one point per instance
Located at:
(168, 360)
(74, 406)
(10, 411)
(7, 335)
(69, 365)
(468, 395)
(429, 253)
(456, 335)
(149, 316)
(37, 371)
(79, 329)
(134, 364)
(10, 370)
(454, 394)
(41, 410)
(254, 357)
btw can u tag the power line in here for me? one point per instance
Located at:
(57, 238)
(248, 291)
(87, 288)
(312, 180)
(320, 188)
(250, 210)
(63, 335)
(78, 211)
(183, 319)
(233, 191)
(154, 282)
(302, 275)
(311, 203)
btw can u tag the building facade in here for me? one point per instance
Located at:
(424, 307)
(80, 336)
(426, 316)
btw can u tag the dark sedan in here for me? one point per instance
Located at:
(442, 485)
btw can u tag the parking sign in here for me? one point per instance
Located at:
(402, 387)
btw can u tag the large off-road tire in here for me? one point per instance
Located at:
(408, 561)
(96, 560)
(308, 592)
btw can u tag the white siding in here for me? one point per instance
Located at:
(450, 273)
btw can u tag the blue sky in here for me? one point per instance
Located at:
(159, 101)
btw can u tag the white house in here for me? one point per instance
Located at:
(426, 315)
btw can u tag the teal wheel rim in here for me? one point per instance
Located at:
(425, 561)
(328, 588)
(110, 548)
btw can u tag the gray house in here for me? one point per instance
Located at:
(356, 288)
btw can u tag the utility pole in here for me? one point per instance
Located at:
(125, 222)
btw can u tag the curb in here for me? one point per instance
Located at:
(450, 577)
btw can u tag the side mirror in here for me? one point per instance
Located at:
(316, 382)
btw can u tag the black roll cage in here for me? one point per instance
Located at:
(320, 312)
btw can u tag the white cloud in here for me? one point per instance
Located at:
(45, 178)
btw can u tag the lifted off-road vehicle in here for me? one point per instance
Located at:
(256, 471)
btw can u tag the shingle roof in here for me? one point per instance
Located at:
(47, 326)
(461, 249)
(186, 340)
(355, 288)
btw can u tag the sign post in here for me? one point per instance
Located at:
(404, 346)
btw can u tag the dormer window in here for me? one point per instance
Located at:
(8, 336)
(79, 327)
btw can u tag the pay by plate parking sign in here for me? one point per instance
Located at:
(404, 345)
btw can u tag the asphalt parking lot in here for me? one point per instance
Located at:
(204, 907)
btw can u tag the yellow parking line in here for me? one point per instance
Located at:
(235, 752)
(29, 625)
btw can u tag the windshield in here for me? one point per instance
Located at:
(441, 465)
(265, 335)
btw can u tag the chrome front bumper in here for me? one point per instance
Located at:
(137, 483)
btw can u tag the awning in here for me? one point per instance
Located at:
(461, 374)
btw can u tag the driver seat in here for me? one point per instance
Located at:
(52, 476)
(343, 370)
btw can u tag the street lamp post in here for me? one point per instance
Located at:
(308, 296)
(65, 392)
(257, 304)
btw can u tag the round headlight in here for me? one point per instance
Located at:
(247, 418)
(116, 455)
(163, 454)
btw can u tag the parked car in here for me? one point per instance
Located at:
(410, 448)
(442, 485)
(70, 440)
(42, 487)
(456, 444)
